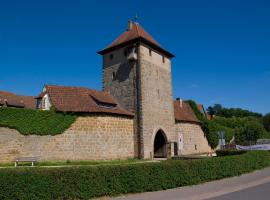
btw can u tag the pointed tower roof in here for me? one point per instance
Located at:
(135, 33)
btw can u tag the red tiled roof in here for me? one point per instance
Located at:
(84, 100)
(184, 112)
(14, 100)
(135, 33)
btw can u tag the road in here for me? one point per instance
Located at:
(255, 185)
(260, 192)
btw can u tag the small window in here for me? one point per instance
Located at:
(150, 52)
(113, 76)
(195, 147)
(163, 59)
(111, 56)
(44, 103)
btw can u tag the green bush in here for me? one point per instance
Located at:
(89, 182)
(229, 152)
(28, 121)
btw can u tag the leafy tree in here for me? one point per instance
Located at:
(218, 110)
(250, 132)
(237, 112)
(211, 111)
(266, 122)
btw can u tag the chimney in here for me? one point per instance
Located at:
(180, 102)
(130, 24)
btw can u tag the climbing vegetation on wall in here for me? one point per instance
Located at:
(208, 127)
(35, 122)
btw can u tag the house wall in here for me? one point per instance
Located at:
(194, 141)
(94, 137)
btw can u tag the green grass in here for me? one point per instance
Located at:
(76, 163)
(37, 122)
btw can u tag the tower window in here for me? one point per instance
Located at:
(150, 52)
(111, 56)
(113, 76)
(163, 59)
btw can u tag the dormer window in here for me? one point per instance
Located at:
(103, 103)
(111, 56)
(163, 59)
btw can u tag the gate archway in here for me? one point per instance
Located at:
(160, 145)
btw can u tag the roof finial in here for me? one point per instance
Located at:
(136, 18)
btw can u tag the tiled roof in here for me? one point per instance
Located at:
(183, 112)
(83, 100)
(135, 33)
(11, 99)
(14, 100)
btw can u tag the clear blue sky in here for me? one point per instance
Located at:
(222, 48)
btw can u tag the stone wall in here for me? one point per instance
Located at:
(194, 141)
(119, 78)
(93, 137)
(157, 110)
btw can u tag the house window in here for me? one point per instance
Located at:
(43, 103)
(111, 56)
(163, 59)
(150, 52)
(195, 147)
(113, 76)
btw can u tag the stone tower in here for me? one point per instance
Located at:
(137, 71)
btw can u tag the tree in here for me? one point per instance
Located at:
(250, 132)
(266, 122)
(211, 111)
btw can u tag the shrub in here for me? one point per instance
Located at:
(28, 121)
(229, 152)
(89, 182)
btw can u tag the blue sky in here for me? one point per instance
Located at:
(222, 48)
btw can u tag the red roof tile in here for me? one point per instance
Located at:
(14, 100)
(135, 33)
(183, 112)
(84, 100)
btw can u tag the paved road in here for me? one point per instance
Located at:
(255, 185)
(260, 192)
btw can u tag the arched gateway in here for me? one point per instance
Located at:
(160, 145)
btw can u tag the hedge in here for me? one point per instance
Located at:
(229, 152)
(88, 182)
(29, 121)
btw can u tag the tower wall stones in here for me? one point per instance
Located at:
(157, 110)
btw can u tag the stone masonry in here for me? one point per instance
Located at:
(194, 141)
(157, 112)
(95, 137)
(145, 88)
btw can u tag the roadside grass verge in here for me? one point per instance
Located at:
(76, 163)
(86, 182)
